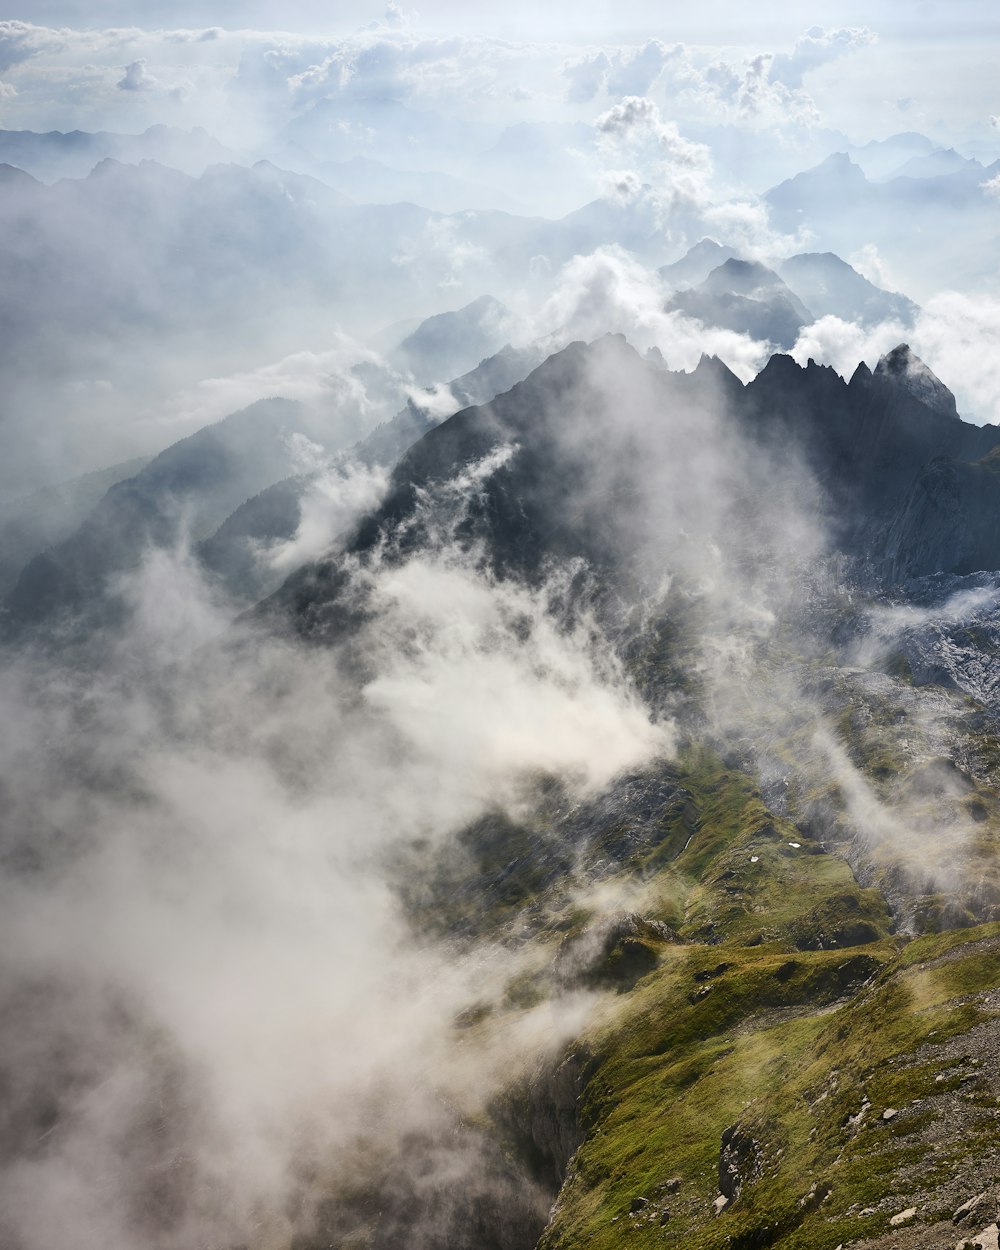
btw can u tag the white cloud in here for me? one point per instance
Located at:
(676, 170)
(954, 334)
(586, 76)
(636, 121)
(618, 71)
(394, 15)
(221, 974)
(310, 377)
(136, 77)
(610, 291)
(842, 344)
(19, 41)
(817, 47)
(335, 498)
(872, 266)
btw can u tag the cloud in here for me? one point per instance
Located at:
(671, 177)
(817, 47)
(610, 290)
(335, 498)
(842, 344)
(439, 255)
(871, 265)
(952, 334)
(635, 73)
(136, 77)
(353, 385)
(618, 71)
(19, 41)
(676, 168)
(220, 1001)
(636, 120)
(586, 77)
(764, 89)
(955, 334)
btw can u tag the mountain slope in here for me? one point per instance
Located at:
(237, 552)
(187, 489)
(748, 298)
(568, 483)
(792, 923)
(829, 286)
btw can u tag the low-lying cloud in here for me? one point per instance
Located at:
(212, 998)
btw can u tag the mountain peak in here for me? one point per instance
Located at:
(697, 263)
(743, 277)
(906, 369)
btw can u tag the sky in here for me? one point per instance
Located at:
(65, 64)
(728, 102)
(715, 21)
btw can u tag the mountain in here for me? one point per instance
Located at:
(761, 958)
(879, 158)
(948, 522)
(747, 297)
(188, 489)
(492, 376)
(783, 915)
(449, 344)
(756, 158)
(29, 524)
(910, 373)
(936, 164)
(55, 154)
(829, 286)
(696, 264)
(862, 443)
(139, 280)
(234, 490)
(236, 554)
(846, 211)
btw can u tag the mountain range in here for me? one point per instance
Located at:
(493, 788)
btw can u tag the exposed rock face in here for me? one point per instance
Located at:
(909, 371)
(739, 1161)
(864, 443)
(948, 522)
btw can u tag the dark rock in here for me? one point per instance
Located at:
(739, 1161)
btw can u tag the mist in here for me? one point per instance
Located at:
(427, 443)
(204, 1009)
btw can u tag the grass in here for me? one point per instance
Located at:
(746, 1024)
